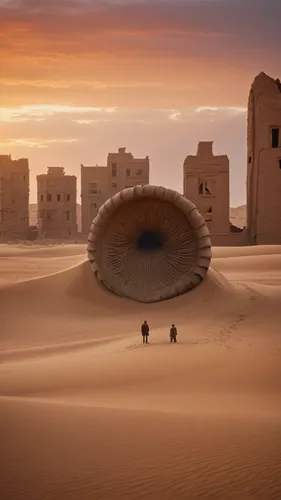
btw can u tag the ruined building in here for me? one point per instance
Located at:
(206, 184)
(94, 192)
(100, 183)
(56, 202)
(14, 197)
(264, 161)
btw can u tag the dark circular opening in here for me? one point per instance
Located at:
(150, 240)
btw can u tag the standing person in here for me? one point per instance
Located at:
(145, 332)
(173, 333)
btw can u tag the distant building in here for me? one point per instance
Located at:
(100, 183)
(94, 192)
(33, 216)
(56, 204)
(14, 197)
(264, 161)
(127, 171)
(206, 184)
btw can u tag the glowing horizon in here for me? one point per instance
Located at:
(83, 78)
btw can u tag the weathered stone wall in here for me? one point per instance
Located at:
(240, 239)
(264, 162)
(94, 192)
(14, 198)
(206, 184)
(56, 202)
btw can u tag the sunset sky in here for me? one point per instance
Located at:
(80, 78)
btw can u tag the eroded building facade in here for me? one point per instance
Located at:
(14, 197)
(206, 184)
(94, 192)
(100, 183)
(56, 204)
(264, 161)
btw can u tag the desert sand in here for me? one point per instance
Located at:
(88, 412)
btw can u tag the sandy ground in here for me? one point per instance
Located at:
(88, 412)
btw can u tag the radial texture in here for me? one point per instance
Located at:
(149, 243)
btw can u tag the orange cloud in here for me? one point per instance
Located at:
(175, 71)
(152, 53)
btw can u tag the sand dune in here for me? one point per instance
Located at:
(80, 452)
(23, 262)
(88, 412)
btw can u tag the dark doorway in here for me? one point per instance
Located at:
(275, 137)
(150, 240)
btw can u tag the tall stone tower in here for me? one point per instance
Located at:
(264, 161)
(206, 184)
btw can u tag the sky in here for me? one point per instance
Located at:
(81, 78)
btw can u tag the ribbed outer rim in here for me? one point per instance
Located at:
(195, 220)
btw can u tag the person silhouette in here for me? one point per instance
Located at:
(145, 332)
(173, 333)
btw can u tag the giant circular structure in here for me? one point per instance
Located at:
(149, 243)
